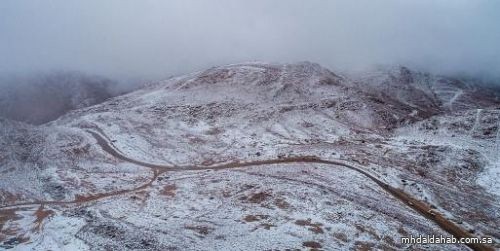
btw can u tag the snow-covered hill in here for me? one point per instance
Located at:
(259, 156)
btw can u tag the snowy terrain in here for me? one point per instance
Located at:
(163, 168)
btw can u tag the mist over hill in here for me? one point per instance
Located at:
(152, 39)
(39, 98)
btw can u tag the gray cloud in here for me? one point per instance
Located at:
(154, 39)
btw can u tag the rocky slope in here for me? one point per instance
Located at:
(215, 160)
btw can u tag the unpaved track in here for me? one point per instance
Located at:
(158, 169)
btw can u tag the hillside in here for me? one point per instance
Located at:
(259, 156)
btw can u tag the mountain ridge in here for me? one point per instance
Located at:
(427, 138)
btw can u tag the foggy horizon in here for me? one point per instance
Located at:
(154, 39)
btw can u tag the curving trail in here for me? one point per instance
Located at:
(457, 94)
(158, 169)
(476, 122)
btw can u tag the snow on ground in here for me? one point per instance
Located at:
(275, 206)
(469, 139)
(428, 136)
(59, 233)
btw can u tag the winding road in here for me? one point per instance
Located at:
(158, 169)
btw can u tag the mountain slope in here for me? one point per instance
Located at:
(221, 159)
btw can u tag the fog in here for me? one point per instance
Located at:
(131, 39)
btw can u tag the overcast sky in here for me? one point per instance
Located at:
(155, 39)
